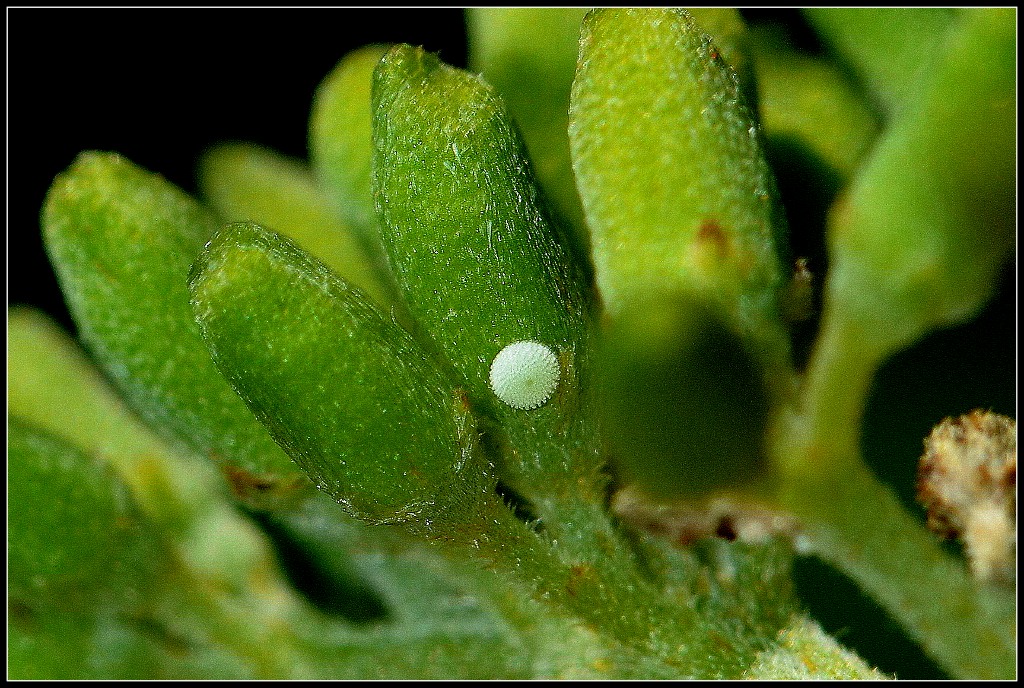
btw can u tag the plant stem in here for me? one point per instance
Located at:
(834, 394)
(607, 599)
(858, 525)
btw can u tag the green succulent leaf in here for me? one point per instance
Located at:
(349, 394)
(247, 182)
(537, 393)
(52, 385)
(729, 32)
(422, 469)
(468, 238)
(476, 256)
(121, 241)
(76, 537)
(887, 48)
(202, 552)
(810, 109)
(341, 146)
(529, 55)
(671, 173)
(919, 239)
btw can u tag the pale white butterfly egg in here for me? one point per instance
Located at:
(524, 375)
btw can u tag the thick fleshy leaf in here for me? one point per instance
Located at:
(671, 173)
(885, 47)
(919, 240)
(475, 255)
(808, 107)
(247, 182)
(53, 386)
(341, 147)
(121, 241)
(211, 550)
(376, 423)
(727, 29)
(465, 231)
(529, 55)
(75, 536)
(372, 420)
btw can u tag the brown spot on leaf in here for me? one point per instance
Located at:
(461, 401)
(262, 491)
(719, 640)
(243, 482)
(20, 614)
(710, 233)
(577, 574)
